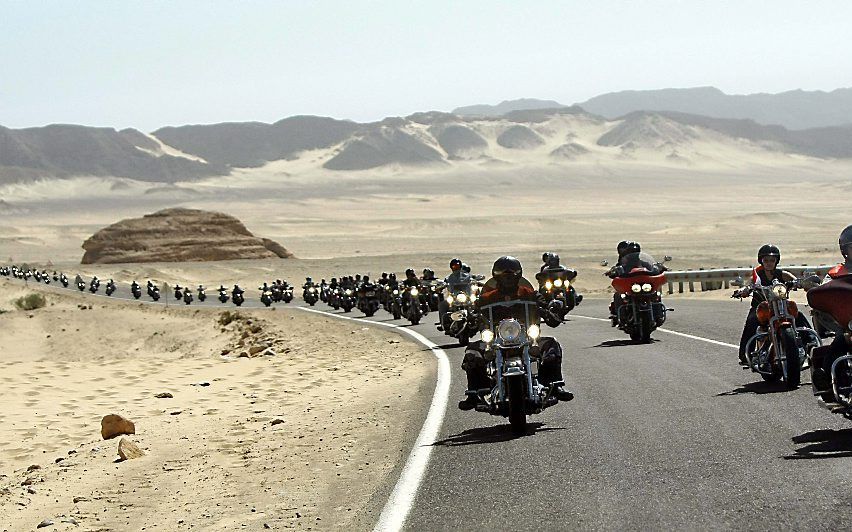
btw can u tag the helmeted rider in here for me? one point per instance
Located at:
(766, 272)
(309, 282)
(457, 280)
(624, 248)
(844, 268)
(507, 273)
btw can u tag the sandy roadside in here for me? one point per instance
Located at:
(300, 439)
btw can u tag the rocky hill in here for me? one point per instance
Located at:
(67, 150)
(793, 109)
(178, 235)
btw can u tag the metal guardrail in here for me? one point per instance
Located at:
(718, 278)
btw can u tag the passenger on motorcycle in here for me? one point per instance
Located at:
(624, 248)
(507, 274)
(844, 268)
(457, 280)
(768, 257)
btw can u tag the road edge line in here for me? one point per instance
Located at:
(401, 500)
(669, 331)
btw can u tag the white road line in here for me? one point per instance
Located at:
(676, 333)
(401, 500)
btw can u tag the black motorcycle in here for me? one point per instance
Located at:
(223, 295)
(237, 296)
(187, 296)
(266, 296)
(110, 288)
(639, 308)
(136, 290)
(94, 286)
(558, 297)
(202, 293)
(368, 299)
(461, 320)
(64, 280)
(310, 295)
(178, 292)
(153, 291)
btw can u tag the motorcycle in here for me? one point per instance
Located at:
(81, 286)
(187, 296)
(309, 294)
(368, 302)
(461, 320)
(94, 285)
(778, 351)
(347, 299)
(640, 309)
(414, 306)
(832, 302)
(64, 280)
(512, 347)
(202, 293)
(266, 296)
(237, 297)
(433, 295)
(223, 295)
(323, 292)
(178, 292)
(110, 288)
(153, 291)
(136, 290)
(559, 297)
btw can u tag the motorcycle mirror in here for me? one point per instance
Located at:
(667, 258)
(738, 281)
(604, 262)
(809, 282)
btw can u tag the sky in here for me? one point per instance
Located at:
(149, 64)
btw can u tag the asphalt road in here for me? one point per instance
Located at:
(673, 434)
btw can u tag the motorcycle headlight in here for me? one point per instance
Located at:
(647, 287)
(395, 292)
(415, 292)
(779, 290)
(534, 332)
(462, 298)
(348, 292)
(548, 285)
(450, 299)
(557, 283)
(472, 298)
(636, 288)
(510, 330)
(487, 336)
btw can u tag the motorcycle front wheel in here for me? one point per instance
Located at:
(517, 411)
(791, 352)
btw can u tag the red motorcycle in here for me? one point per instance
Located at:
(831, 303)
(638, 306)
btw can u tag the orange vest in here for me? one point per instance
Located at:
(838, 271)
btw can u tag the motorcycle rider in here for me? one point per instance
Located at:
(457, 280)
(624, 248)
(844, 268)
(766, 272)
(821, 375)
(507, 272)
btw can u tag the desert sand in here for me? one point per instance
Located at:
(301, 439)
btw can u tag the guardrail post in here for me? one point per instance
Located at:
(680, 287)
(671, 287)
(691, 286)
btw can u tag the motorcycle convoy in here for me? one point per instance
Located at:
(511, 368)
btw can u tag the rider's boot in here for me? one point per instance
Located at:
(476, 379)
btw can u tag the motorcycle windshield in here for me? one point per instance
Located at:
(552, 274)
(521, 306)
(640, 264)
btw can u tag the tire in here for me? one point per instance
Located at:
(791, 350)
(517, 410)
(464, 339)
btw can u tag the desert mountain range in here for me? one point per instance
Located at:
(648, 127)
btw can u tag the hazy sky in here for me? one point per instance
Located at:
(147, 64)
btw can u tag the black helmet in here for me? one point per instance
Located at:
(768, 250)
(553, 260)
(507, 272)
(409, 272)
(366, 279)
(308, 279)
(428, 273)
(465, 267)
(357, 276)
(545, 257)
(621, 247)
(632, 247)
(455, 264)
(334, 280)
(392, 276)
(384, 275)
(845, 240)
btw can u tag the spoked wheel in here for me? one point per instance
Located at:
(791, 352)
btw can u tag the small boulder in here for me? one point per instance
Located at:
(128, 450)
(113, 425)
(253, 350)
(45, 523)
(164, 395)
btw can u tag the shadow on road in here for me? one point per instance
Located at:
(827, 443)
(493, 434)
(622, 343)
(758, 387)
